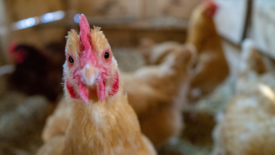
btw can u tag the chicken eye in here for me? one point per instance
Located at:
(106, 56)
(71, 60)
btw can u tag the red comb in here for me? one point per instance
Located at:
(85, 36)
(210, 3)
(85, 32)
(87, 54)
(17, 55)
(211, 8)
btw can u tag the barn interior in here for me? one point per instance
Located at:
(225, 97)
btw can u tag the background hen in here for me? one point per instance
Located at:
(38, 71)
(153, 92)
(211, 67)
(154, 53)
(247, 126)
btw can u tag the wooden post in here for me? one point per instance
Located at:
(4, 33)
(143, 8)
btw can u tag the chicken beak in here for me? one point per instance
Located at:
(89, 74)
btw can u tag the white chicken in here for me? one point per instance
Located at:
(248, 125)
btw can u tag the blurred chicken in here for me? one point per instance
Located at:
(154, 54)
(37, 72)
(157, 89)
(252, 60)
(58, 122)
(102, 121)
(251, 67)
(211, 68)
(247, 127)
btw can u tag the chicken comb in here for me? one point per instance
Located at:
(211, 8)
(87, 54)
(18, 55)
(85, 37)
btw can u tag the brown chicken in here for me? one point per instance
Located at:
(37, 71)
(154, 54)
(58, 122)
(102, 121)
(211, 68)
(157, 88)
(247, 126)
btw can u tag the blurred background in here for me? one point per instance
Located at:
(225, 91)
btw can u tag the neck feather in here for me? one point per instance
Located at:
(100, 125)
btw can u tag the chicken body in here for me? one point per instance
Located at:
(251, 68)
(102, 121)
(247, 126)
(37, 73)
(252, 59)
(58, 122)
(211, 67)
(111, 130)
(95, 129)
(155, 54)
(153, 91)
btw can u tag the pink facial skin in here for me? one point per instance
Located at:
(104, 73)
(89, 56)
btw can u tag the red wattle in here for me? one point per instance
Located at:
(71, 90)
(115, 85)
(101, 90)
(83, 92)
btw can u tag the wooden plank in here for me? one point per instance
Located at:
(263, 26)
(4, 33)
(135, 8)
(107, 8)
(20, 9)
(170, 8)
